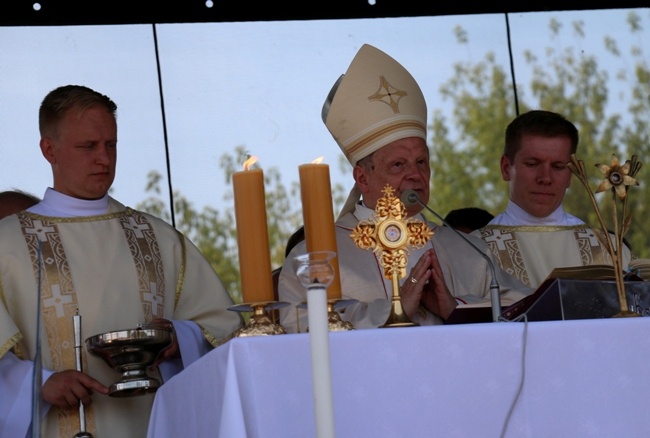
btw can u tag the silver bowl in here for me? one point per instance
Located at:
(131, 352)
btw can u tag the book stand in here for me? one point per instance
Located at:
(567, 299)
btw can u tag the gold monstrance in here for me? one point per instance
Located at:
(389, 235)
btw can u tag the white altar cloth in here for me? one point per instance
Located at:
(582, 378)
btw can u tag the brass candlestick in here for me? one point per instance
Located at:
(260, 323)
(389, 235)
(334, 320)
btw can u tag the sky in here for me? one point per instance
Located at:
(260, 85)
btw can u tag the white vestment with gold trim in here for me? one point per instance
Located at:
(530, 248)
(466, 273)
(119, 269)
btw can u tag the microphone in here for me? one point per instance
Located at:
(410, 197)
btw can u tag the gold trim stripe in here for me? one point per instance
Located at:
(12, 342)
(58, 304)
(181, 271)
(352, 148)
(145, 251)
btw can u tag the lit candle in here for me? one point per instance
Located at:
(318, 216)
(252, 234)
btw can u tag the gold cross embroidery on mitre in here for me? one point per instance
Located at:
(388, 94)
(389, 235)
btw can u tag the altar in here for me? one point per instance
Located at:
(577, 378)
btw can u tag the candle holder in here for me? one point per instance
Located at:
(334, 320)
(315, 270)
(260, 323)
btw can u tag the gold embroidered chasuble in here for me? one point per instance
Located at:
(149, 271)
(466, 273)
(530, 253)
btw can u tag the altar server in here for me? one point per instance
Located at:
(535, 234)
(84, 252)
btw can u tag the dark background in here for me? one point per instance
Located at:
(76, 12)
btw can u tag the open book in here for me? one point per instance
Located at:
(590, 272)
(640, 267)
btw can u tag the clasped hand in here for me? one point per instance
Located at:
(426, 284)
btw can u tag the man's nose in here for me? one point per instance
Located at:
(544, 175)
(102, 155)
(413, 170)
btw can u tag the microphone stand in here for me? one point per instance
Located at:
(410, 197)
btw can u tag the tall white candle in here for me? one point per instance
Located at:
(320, 361)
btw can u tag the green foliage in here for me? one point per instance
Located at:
(465, 170)
(209, 230)
(465, 160)
(215, 233)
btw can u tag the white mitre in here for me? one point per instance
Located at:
(375, 102)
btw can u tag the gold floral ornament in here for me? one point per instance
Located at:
(390, 235)
(618, 178)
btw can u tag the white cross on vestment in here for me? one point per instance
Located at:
(57, 301)
(39, 230)
(153, 298)
(589, 234)
(136, 227)
(499, 238)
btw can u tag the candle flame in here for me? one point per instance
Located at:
(318, 160)
(248, 163)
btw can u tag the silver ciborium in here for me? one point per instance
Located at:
(131, 352)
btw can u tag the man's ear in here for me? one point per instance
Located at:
(47, 149)
(360, 175)
(505, 168)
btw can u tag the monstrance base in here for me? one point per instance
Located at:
(389, 324)
(398, 317)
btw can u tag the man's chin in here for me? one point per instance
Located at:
(97, 193)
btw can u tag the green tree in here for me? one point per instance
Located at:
(466, 168)
(211, 231)
(465, 160)
(215, 232)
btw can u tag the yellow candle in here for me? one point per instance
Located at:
(318, 217)
(252, 235)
